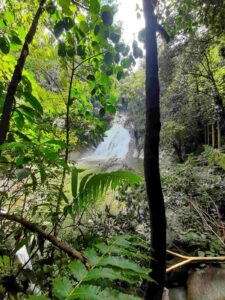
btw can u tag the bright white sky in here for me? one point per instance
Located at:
(128, 16)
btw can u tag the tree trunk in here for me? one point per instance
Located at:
(208, 135)
(17, 75)
(213, 136)
(151, 158)
(205, 135)
(218, 135)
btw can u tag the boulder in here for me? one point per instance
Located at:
(207, 284)
(178, 293)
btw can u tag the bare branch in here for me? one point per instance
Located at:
(189, 259)
(52, 239)
(80, 4)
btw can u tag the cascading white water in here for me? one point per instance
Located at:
(115, 144)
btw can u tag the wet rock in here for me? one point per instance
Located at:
(178, 293)
(207, 284)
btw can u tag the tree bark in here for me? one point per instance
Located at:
(218, 135)
(151, 158)
(213, 136)
(208, 135)
(17, 75)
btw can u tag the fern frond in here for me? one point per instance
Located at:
(92, 292)
(106, 265)
(93, 186)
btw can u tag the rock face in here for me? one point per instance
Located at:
(207, 284)
(178, 294)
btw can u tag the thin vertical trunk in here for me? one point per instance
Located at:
(213, 136)
(151, 158)
(205, 135)
(17, 75)
(208, 135)
(59, 200)
(218, 135)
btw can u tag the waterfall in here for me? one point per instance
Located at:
(115, 144)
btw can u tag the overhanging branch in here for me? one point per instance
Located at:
(163, 33)
(52, 239)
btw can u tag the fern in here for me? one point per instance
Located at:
(110, 262)
(92, 186)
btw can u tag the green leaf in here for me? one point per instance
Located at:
(42, 174)
(65, 4)
(91, 77)
(70, 51)
(36, 297)
(51, 155)
(107, 273)
(94, 6)
(51, 8)
(107, 15)
(67, 23)
(111, 109)
(34, 103)
(19, 119)
(34, 181)
(62, 49)
(78, 270)
(4, 44)
(22, 174)
(120, 75)
(22, 136)
(9, 18)
(81, 50)
(16, 40)
(61, 287)
(102, 112)
(123, 263)
(117, 58)
(92, 256)
(59, 143)
(58, 29)
(108, 58)
(92, 292)
(96, 30)
(115, 37)
(74, 182)
(96, 185)
(83, 26)
(28, 112)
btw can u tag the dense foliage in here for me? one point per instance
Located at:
(66, 70)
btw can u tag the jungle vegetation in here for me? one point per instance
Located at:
(65, 71)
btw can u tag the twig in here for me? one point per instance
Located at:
(79, 4)
(190, 259)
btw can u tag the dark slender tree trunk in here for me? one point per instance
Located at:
(151, 158)
(17, 75)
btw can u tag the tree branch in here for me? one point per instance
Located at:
(52, 239)
(163, 33)
(189, 259)
(17, 75)
(79, 4)
(87, 59)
